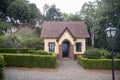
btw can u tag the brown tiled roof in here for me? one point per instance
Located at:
(54, 29)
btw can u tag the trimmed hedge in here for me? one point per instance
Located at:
(30, 60)
(1, 68)
(15, 50)
(40, 52)
(98, 63)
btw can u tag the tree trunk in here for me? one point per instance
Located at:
(92, 34)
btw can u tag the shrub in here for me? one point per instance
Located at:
(1, 68)
(118, 55)
(32, 42)
(30, 60)
(15, 50)
(106, 54)
(4, 27)
(11, 41)
(20, 41)
(1, 39)
(93, 53)
(40, 46)
(98, 63)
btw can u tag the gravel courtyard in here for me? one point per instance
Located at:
(66, 70)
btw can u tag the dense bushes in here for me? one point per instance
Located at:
(15, 50)
(105, 53)
(98, 63)
(30, 60)
(11, 41)
(118, 55)
(31, 42)
(93, 53)
(20, 41)
(1, 68)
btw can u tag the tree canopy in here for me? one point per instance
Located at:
(72, 17)
(53, 14)
(20, 9)
(97, 15)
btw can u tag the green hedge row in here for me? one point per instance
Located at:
(15, 50)
(1, 68)
(30, 60)
(39, 52)
(98, 63)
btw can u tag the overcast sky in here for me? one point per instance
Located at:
(67, 6)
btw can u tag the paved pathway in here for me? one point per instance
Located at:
(66, 70)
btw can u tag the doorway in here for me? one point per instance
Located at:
(65, 49)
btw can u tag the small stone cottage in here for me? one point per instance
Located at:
(65, 38)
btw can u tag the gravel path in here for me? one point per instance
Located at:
(66, 70)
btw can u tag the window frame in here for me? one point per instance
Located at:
(76, 46)
(51, 46)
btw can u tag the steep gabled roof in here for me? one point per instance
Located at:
(66, 29)
(54, 29)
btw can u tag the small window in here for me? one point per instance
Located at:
(78, 47)
(51, 46)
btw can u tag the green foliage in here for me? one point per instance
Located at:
(106, 54)
(93, 53)
(30, 60)
(72, 17)
(40, 52)
(32, 42)
(23, 10)
(89, 16)
(4, 27)
(31, 51)
(98, 63)
(1, 68)
(53, 14)
(1, 39)
(4, 5)
(118, 55)
(18, 41)
(11, 41)
(15, 50)
(18, 9)
(97, 15)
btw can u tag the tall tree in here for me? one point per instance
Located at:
(45, 8)
(5, 3)
(88, 14)
(25, 11)
(97, 15)
(53, 14)
(19, 10)
(34, 13)
(110, 13)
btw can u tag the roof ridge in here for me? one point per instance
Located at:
(66, 28)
